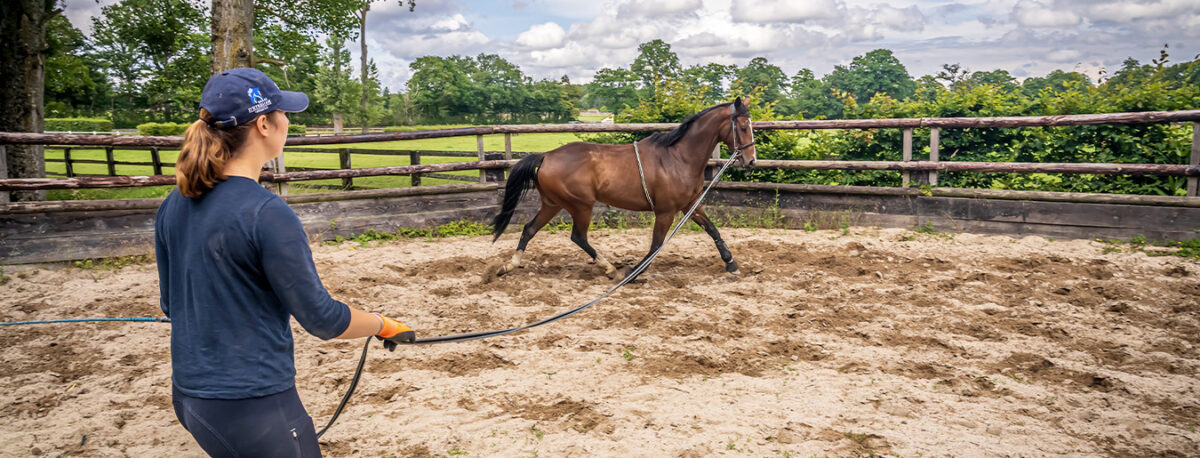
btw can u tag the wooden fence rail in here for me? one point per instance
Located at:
(922, 172)
(26, 184)
(1145, 117)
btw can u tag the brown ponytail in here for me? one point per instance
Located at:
(206, 149)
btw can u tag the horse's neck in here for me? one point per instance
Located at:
(695, 148)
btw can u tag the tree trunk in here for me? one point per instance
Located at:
(362, 38)
(337, 123)
(23, 24)
(232, 34)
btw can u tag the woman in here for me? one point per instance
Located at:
(233, 265)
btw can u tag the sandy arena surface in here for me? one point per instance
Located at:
(825, 345)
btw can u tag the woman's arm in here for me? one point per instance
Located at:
(288, 265)
(362, 324)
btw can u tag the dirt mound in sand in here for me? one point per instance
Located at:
(880, 342)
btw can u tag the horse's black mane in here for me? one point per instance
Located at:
(666, 139)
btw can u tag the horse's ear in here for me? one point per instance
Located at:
(738, 102)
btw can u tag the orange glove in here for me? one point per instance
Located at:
(393, 332)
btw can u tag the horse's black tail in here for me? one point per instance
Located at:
(519, 178)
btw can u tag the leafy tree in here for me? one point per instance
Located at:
(1056, 81)
(71, 86)
(711, 79)
(612, 88)
(810, 98)
(334, 88)
(549, 102)
(953, 74)
(573, 92)
(504, 87)
(876, 72)
(655, 62)
(441, 88)
(234, 22)
(152, 49)
(998, 78)
(293, 60)
(928, 89)
(762, 75)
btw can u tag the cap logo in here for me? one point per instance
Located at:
(260, 103)
(255, 95)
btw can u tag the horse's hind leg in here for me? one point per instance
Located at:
(544, 215)
(701, 218)
(581, 218)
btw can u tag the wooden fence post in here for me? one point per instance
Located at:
(3, 172)
(482, 173)
(934, 144)
(67, 162)
(507, 152)
(282, 186)
(154, 158)
(344, 162)
(414, 158)
(905, 178)
(493, 174)
(709, 171)
(1193, 186)
(112, 168)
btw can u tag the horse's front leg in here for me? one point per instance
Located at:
(662, 224)
(701, 218)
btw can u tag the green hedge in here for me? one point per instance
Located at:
(162, 128)
(78, 125)
(297, 129)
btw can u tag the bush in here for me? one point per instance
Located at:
(78, 125)
(297, 129)
(162, 128)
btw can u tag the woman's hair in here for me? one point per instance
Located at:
(206, 149)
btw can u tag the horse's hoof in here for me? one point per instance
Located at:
(494, 272)
(615, 274)
(626, 273)
(731, 267)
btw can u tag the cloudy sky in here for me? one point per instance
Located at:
(550, 38)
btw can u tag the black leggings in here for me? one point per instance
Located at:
(271, 426)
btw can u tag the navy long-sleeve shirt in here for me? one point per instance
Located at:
(232, 266)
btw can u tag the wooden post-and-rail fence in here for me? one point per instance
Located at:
(278, 166)
(491, 165)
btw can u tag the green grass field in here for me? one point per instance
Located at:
(520, 142)
(593, 118)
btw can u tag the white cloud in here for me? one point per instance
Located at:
(1064, 55)
(1128, 11)
(901, 19)
(640, 9)
(542, 36)
(450, 24)
(768, 11)
(1037, 14)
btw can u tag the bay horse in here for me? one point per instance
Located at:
(577, 175)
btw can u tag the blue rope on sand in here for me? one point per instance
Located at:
(79, 320)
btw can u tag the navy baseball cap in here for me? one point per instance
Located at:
(239, 95)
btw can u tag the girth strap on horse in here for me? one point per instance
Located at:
(642, 174)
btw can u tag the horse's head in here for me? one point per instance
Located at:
(741, 134)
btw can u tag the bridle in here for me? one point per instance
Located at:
(733, 129)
